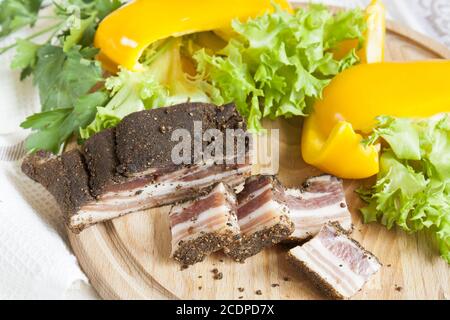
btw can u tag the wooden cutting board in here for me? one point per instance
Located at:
(128, 258)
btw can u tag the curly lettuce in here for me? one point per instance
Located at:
(275, 66)
(413, 185)
(162, 83)
(279, 63)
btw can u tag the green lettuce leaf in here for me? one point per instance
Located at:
(413, 186)
(402, 135)
(162, 83)
(280, 63)
(277, 65)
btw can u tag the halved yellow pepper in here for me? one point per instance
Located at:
(374, 38)
(332, 154)
(332, 136)
(124, 34)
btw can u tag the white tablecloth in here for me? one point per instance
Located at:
(35, 259)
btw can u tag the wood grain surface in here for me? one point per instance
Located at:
(128, 258)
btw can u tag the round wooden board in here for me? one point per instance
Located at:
(128, 258)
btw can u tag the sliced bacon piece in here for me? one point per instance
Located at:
(203, 226)
(335, 263)
(145, 193)
(130, 167)
(321, 200)
(263, 217)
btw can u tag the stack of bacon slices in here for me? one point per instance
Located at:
(264, 214)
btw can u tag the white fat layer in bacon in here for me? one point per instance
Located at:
(181, 206)
(308, 222)
(205, 164)
(265, 216)
(220, 188)
(294, 192)
(254, 194)
(220, 219)
(211, 220)
(338, 261)
(113, 205)
(89, 217)
(329, 267)
(168, 187)
(239, 187)
(360, 261)
(322, 178)
(305, 195)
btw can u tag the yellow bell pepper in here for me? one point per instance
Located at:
(124, 34)
(332, 135)
(374, 37)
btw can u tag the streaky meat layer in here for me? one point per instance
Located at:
(205, 225)
(262, 215)
(321, 200)
(149, 193)
(335, 263)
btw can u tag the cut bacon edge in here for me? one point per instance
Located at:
(321, 201)
(262, 215)
(335, 263)
(203, 226)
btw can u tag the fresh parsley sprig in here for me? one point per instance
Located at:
(63, 66)
(15, 14)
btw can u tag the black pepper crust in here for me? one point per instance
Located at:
(144, 138)
(65, 177)
(32, 163)
(78, 177)
(101, 160)
(256, 242)
(196, 250)
(48, 170)
(315, 278)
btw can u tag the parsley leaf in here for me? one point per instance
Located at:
(63, 67)
(64, 77)
(15, 14)
(105, 7)
(25, 58)
(54, 127)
